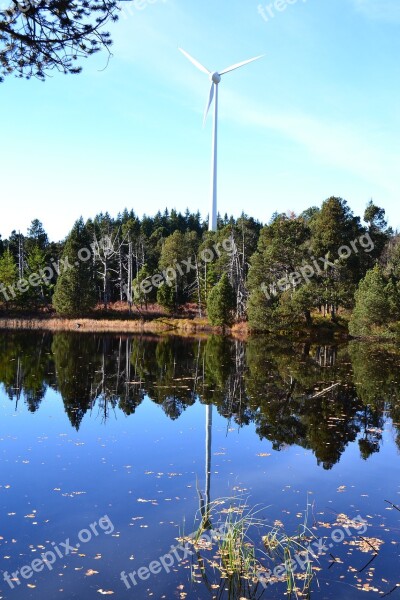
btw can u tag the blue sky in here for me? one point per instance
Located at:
(318, 116)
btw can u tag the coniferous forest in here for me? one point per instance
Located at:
(323, 267)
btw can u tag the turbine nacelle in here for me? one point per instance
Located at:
(215, 76)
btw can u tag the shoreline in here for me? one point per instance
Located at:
(183, 327)
(197, 327)
(87, 325)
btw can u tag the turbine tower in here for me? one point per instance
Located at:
(215, 78)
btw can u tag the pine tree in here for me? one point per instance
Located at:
(177, 250)
(38, 37)
(166, 297)
(36, 236)
(282, 249)
(138, 295)
(36, 263)
(377, 229)
(377, 303)
(221, 303)
(75, 292)
(8, 277)
(334, 226)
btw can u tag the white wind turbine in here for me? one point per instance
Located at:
(215, 78)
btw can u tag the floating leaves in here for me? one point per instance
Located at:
(364, 544)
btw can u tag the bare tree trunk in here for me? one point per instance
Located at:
(198, 288)
(130, 275)
(21, 257)
(121, 290)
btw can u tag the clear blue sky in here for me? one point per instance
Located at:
(318, 116)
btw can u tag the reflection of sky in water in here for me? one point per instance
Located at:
(68, 479)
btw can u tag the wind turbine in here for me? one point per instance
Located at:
(215, 78)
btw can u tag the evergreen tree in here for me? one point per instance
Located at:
(332, 227)
(39, 37)
(36, 262)
(75, 362)
(378, 230)
(282, 249)
(221, 303)
(138, 295)
(166, 297)
(390, 258)
(36, 236)
(377, 303)
(75, 291)
(176, 262)
(8, 277)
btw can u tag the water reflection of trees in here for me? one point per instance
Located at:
(318, 397)
(26, 367)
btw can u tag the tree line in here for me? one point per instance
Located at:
(323, 263)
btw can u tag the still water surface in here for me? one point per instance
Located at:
(129, 427)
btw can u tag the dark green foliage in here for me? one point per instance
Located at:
(177, 265)
(139, 288)
(221, 303)
(268, 267)
(333, 228)
(38, 37)
(75, 292)
(166, 297)
(390, 258)
(36, 236)
(39, 294)
(377, 309)
(311, 263)
(282, 248)
(377, 303)
(8, 277)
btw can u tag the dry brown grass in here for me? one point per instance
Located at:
(240, 330)
(88, 325)
(178, 326)
(153, 319)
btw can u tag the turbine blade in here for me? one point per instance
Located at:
(210, 99)
(195, 62)
(241, 64)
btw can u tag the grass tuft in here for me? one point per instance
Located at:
(233, 542)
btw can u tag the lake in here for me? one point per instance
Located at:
(112, 449)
